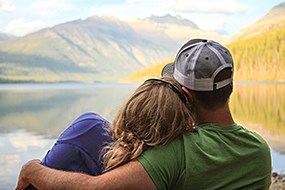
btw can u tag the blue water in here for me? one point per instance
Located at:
(33, 115)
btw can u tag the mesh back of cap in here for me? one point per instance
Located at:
(199, 61)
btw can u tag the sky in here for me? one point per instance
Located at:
(227, 17)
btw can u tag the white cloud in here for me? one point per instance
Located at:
(6, 6)
(6, 159)
(52, 9)
(145, 8)
(132, 9)
(124, 11)
(216, 23)
(24, 141)
(51, 5)
(208, 6)
(21, 26)
(143, 1)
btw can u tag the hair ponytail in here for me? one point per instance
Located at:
(153, 116)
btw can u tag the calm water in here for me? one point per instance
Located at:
(33, 115)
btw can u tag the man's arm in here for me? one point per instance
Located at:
(129, 176)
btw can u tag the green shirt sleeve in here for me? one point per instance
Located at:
(165, 165)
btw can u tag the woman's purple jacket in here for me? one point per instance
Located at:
(78, 147)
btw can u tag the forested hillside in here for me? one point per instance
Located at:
(150, 72)
(260, 58)
(94, 49)
(258, 51)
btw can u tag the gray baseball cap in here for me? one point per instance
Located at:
(198, 62)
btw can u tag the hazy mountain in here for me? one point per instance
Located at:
(175, 28)
(4, 36)
(169, 19)
(258, 51)
(98, 48)
(274, 18)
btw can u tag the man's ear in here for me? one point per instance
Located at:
(188, 93)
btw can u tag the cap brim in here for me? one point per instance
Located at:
(168, 70)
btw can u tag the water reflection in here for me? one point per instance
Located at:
(32, 117)
(48, 112)
(262, 108)
(16, 149)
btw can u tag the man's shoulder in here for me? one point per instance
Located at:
(254, 135)
(171, 150)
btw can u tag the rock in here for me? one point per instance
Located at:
(277, 181)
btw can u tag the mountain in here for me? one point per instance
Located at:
(169, 19)
(174, 27)
(4, 37)
(94, 49)
(274, 18)
(146, 73)
(258, 51)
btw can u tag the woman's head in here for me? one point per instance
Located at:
(155, 114)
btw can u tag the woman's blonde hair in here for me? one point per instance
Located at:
(155, 114)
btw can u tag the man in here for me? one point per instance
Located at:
(219, 154)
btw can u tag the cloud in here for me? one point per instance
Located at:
(131, 9)
(6, 159)
(123, 11)
(25, 141)
(217, 22)
(6, 6)
(144, 8)
(208, 6)
(143, 1)
(21, 26)
(52, 9)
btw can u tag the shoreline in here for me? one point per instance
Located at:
(277, 181)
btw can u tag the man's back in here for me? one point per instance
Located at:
(212, 157)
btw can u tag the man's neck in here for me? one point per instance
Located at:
(220, 116)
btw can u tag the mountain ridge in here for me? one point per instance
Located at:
(258, 51)
(105, 47)
(169, 19)
(4, 37)
(274, 18)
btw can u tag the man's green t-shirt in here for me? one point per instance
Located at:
(211, 157)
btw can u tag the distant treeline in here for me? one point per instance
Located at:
(261, 104)
(260, 58)
(142, 75)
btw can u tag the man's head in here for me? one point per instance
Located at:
(206, 68)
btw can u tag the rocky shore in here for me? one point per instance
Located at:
(278, 181)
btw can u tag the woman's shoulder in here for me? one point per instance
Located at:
(84, 124)
(89, 116)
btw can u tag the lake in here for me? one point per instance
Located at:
(33, 115)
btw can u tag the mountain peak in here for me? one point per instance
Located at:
(275, 14)
(103, 21)
(101, 47)
(110, 18)
(281, 7)
(4, 37)
(169, 19)
(274, 18)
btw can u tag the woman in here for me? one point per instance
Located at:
(79, 147)
(155, 114)
(148, 119)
